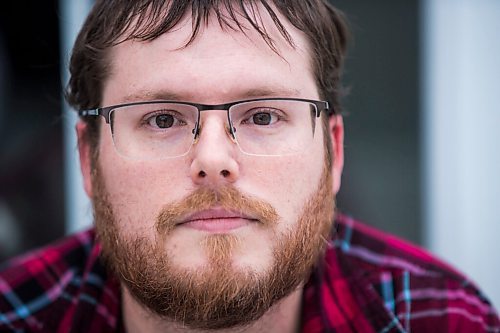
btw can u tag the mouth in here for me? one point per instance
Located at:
(216, 220)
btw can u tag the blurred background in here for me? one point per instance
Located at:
(421, 145)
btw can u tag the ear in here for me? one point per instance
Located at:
(85, 152)
(336, 130)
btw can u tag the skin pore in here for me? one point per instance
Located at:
(258, 269)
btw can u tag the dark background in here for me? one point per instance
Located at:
(31, 154)
(381, 182)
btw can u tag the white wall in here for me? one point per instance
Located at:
(78, 208)
(461, 135)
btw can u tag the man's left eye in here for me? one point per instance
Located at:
(264, 118)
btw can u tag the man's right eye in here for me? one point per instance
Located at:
(163, 121)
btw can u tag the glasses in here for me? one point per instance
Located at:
(166, 129)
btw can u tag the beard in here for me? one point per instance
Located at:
(216, 295)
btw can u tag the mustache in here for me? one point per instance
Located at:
(226, 197)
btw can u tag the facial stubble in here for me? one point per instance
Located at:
(217, 295)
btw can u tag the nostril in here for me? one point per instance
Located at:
(202, 174)
(225, 173)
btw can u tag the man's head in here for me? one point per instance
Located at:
(215, 236)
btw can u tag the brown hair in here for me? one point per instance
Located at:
(110, 23)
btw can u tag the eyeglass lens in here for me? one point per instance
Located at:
(163, 130)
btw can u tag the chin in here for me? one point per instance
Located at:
(224, 251)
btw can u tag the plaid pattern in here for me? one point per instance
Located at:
(61, 288)
(367, 282)
(374, 282)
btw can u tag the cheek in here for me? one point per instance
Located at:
(138, 190)
(286, 182)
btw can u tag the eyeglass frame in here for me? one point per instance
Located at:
(106, 110)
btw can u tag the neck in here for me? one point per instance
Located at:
(282, 317)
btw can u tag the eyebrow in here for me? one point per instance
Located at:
(150, 95)
(271, 92)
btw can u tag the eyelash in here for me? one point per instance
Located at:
(273, 112)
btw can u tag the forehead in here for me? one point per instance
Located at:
(220, 64)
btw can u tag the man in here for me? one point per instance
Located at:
(211, 145)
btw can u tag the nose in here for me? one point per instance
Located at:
(214, 160)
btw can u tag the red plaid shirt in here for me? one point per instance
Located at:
(368, 282)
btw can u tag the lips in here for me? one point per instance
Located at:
(217, 220)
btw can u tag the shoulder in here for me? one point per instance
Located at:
(42, 290)
(416, 289)
(375, 250)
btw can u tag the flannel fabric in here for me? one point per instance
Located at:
(367, 282)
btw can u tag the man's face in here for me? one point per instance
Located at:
(241, 244)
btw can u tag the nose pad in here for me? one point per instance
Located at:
(196, 131)
(232, 131)
(229, 129)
